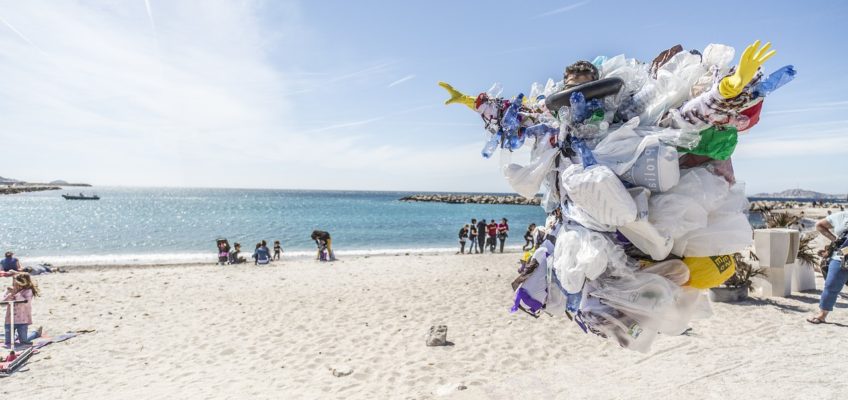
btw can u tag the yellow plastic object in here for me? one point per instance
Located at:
(709, 272)
(458, 97)
(752, 58)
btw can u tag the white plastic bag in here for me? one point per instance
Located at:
(582, 254)
(597, 192)
(526, 180)
(642, 233)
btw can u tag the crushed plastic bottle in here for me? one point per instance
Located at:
(774, 81)
(491, 145)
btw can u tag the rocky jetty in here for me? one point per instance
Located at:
(768, 205)
(474, 199)
(23, 189)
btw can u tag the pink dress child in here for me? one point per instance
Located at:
(23, 317)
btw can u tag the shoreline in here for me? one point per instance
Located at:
(209, 258)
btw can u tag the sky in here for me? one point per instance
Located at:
(342, 95)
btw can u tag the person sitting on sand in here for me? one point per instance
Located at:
(23, 288)
(319, 236)
(10, 263)
(234, 257)
(835, 228)
(261, 255)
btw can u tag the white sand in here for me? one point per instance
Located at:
(210, 332)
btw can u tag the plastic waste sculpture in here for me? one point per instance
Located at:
(634, 160)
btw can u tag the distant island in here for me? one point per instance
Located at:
(800, 194)
(14, 186)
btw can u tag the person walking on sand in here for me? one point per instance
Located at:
(463, 237)
(481, 235)
(835, 228)
(529, 242)
(472, 237)
(491, 236)
(503, 232)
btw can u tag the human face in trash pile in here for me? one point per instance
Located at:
(573, 80)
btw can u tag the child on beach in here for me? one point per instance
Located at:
(23, 288)
(278, 250)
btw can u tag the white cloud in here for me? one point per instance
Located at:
(402, 80)
(562, 9)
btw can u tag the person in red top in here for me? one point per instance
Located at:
(503, 232)
(491, 234)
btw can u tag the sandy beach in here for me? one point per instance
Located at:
(212, 332)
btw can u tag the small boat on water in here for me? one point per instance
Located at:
(80, 197)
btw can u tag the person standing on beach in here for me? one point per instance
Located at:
(463, 236)
(835, 228)
(503, 232)
(278, 250)
(322, 236)
(10, 263)
(529, 243)
(481, 235)
(491, 236)
(472, 237)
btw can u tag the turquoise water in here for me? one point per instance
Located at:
(147, 225)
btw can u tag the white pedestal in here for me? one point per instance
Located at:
(804, 278)
(773, 247)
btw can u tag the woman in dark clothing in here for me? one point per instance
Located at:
(503, 232)
(463, 236)
(528, 238)
(321, 236)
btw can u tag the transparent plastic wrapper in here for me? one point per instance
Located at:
(655, 302)
(677, 131)
(639, 159)
(673, 270)
(718, 55)
(725, 233)
(642, 233)
(686, 207)
(582, 254)
(607, 322)
(598, 192)
(526, 180)
(669, 90)
(629, 70)
(702, 186)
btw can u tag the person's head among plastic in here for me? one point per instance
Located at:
(580, 73)
(9, 254)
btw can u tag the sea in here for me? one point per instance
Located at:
(173, 225)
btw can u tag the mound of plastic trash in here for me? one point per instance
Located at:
(634, 161)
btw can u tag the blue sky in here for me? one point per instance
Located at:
(343, 95)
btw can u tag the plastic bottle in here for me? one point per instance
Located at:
(774, 81)
(491, 145)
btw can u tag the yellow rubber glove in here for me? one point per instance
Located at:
(752, 58)
(458, 97)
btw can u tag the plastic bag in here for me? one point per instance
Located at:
(532, 293)
(642, 233)
(709, 272)
(774, 81)
(526, 180)
(582, 254)
(716, 142)
(639, 159)
(674, 270)
(725, 233)
(598, 193)
(629, 70)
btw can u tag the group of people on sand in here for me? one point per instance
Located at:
(23, 290)
(483, 236)
(261, 254)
